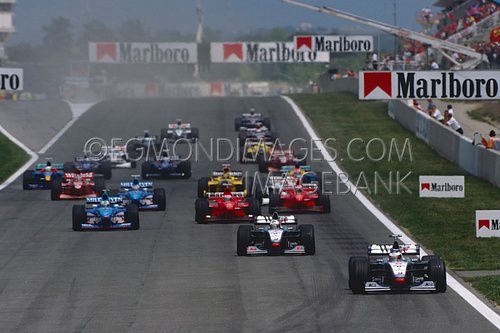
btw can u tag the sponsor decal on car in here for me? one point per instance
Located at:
(442, 186)
(465, 85)
(487, 223)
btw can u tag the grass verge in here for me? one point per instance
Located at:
(487, 285)
(487, 113)
(11, 158)
(446, 226)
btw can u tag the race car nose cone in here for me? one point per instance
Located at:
(229, 206)
(400, 280)
(299, 197)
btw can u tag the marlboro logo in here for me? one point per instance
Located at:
(233, 50)
(442, 186)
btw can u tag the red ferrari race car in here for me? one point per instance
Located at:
(77, 185)
(278, 158)
(299, 198)
(226, 206)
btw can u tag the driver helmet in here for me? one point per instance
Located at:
(78, 176)
(275, 221)
(49, 163)
(86, 158)
(179, 122)
(395, 254)
(135, 184)
(146, 134)
(226, 171)
(105, 200)
(252, 111)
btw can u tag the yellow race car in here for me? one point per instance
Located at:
(251, 151)
(222, 180)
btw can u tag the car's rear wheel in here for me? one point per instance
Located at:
(437, 273)
(100, 185)
(358, 274)
(27, 179)
(79, 217)
(307, 238)
(185, 168)
(194, 134)
(145, 170)
(253, 207)
(243, 239)
(274, 202)
(324, 201)
(202, 186)
(202, 209)
(56, 189)
(159, 198)
(132, 216)
(105, 169)
(237, 124)
(69, 167)
(263, 165)
(163, 135)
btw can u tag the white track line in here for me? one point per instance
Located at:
(453, 283)
(77, 110)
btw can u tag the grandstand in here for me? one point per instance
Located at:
(6, 25)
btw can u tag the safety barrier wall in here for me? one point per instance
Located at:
(476, 160)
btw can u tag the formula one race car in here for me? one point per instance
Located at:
(142, 145)
(299, 197)
(275, 235)
(42, 176)
(220, 180)
(251, 120)
(105, 213)
(397, 268)
(226, 206)
(251, 151)
(166, 167)
(278, 158)
(179, 131)
(85, 164)
(257, 134)
(143, 195)
(119, 158)
(76, 185)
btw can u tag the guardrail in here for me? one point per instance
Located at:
(474, 159)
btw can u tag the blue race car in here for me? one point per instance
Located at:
(85, 164)
(105, 213)
(143, 195)
(43, 176)
(166, 167)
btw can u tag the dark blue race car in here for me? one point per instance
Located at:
(42, 176)
(166, 167)
(105, 213)
(143, 195)
(85, 164)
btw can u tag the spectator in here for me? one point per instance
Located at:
(436, 113)
(454, 124)
(434, 65)
(490, 143)
(430, 105)
(416, 105)
(375, 61)
(449, 108)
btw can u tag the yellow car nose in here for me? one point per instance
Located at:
(47, 178)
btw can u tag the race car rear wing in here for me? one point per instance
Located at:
(183, 125)
(231, 173)
(84, 175)
(255, 115)
(141, 184)
(284, 219)
(221, 194)
(97, 200)
(381, 249)
(288, 168)
(58, 166)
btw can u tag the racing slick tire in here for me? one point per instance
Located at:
(273, 136)
(133, 164)
(358, 274)
(27, 179)
(253, 207)
(194, 134)
(159, 198)
(274, 202)
(263, 165)
(324, 201)
(105, 169)
(243, 239)
(237, 124)
(202, 208)
(163, 135)
(267, 123)
(185, 168)
(246, 186)
(145, 169)
(202, 186)
(132, 216)
(100, 185)
(307, 238)
(56, 189)
(427, 258)
(437, 273)
(258, 194)
(79, 217)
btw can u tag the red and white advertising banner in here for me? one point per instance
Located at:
(268, 52)
(11, 79)
(143, 53)
(461, 85)
(334, 44)
(442, 186)
(487, 223)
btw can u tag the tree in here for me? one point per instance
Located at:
(58, 39)
(134, 31)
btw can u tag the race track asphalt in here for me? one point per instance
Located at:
(173, 275)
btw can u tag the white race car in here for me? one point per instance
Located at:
(119, 158)
(179, 131)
